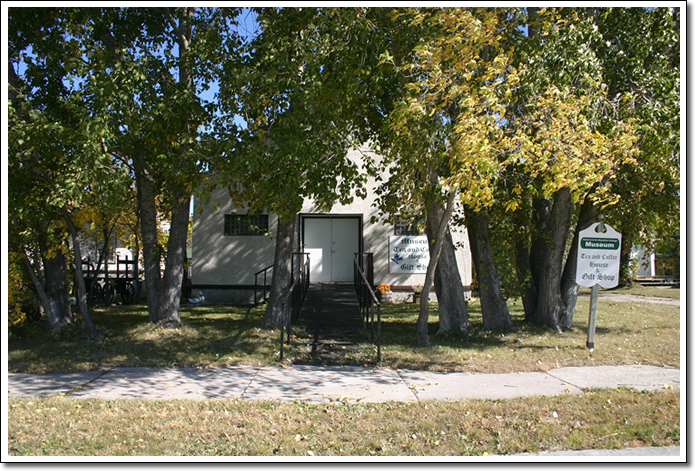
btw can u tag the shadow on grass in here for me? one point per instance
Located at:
(226, 335)
(208, 335)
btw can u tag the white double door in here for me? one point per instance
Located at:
(331, 243)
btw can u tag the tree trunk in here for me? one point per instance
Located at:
(173, 273)
(81, 289)
(494, 308)
(422, 329)
(588, 214)
(105, 258)
(522, 259)
(541, 216)
(451, 299)
(101, 259)
(136, 271)
(625, 277)
(50, 306)
(529, 292)
(148, 228)
(172, 281)
(550, 251)
(56, 275)
(282, 273)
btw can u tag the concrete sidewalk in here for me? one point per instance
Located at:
(326, 384)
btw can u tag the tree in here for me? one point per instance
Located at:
(564, 151)
(45, 148)
(143, 72)
(135, 73)
(640, 53)
(293, 90)
(36, 233)
(406, 192)
(447, 120)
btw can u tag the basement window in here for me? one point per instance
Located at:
(245, 224)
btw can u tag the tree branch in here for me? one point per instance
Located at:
(182, 36)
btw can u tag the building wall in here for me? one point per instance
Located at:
(219, 259)
(233, 260)
(647, 265)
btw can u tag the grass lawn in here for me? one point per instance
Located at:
(627, 333)
(597, 419)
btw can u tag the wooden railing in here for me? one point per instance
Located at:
(103, 282)
(664, 266)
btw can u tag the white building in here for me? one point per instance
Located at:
(229, 247)
(646, 261)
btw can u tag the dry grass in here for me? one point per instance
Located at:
(596, 419)
(626, 333)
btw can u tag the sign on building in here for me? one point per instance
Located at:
(598, 259)
(408, 254)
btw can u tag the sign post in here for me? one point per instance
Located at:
(598, 264)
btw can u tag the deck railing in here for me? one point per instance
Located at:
(104, 282)
(369, 304)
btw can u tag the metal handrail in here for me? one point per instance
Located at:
(285, 319)
(265, 284)
(368, 301)
(295, 295)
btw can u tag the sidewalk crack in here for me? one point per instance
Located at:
(565, 381)
(248, 385)
(412, 389)
(81, 386)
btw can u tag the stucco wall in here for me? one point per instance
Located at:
(233, 260)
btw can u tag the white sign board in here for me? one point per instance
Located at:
(408, 254)
(598, 258)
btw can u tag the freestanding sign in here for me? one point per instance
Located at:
(598, 264)
(598, 259)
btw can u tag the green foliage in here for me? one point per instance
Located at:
(640, 53)
(447, 118)
(619, 66)
(559, 115)
(104, 89)
(293, 88)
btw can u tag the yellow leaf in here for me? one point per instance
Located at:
(511, 205)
